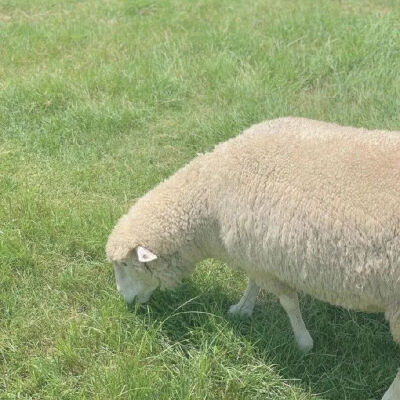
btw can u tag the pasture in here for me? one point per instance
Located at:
(102, 99)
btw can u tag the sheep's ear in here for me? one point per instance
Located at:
(145, 255)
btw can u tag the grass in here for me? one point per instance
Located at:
(101, 100)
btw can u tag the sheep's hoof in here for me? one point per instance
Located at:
(239, 311)
(305, 343)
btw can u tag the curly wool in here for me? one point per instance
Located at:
(296, 204)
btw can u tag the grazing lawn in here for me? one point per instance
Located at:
(102, 99)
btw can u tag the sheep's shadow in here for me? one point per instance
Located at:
(354, 356)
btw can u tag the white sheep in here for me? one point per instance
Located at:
(298, 205)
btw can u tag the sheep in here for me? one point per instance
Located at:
(298, 205)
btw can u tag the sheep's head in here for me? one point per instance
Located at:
(134, 275)
(144, 261)
(138, 272)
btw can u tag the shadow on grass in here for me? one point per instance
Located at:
(353, 358)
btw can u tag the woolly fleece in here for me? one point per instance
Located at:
(297, 204)
(293, 202)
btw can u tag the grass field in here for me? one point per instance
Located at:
(102, 99)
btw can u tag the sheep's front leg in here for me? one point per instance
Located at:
(246, 304)
(291, 305)
(393, 393)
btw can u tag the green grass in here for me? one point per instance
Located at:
(99, 101)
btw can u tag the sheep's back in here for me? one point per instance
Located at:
(316, 205)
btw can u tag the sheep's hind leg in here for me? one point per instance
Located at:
(290, 303)
(246, 304)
